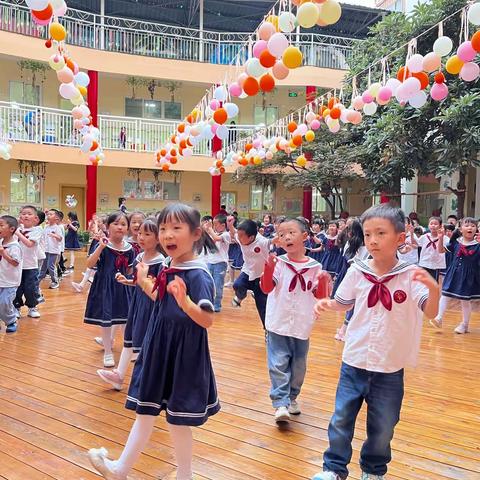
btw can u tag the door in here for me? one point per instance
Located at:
(79, 193)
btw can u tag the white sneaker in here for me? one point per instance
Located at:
(236, 302)
(461, 328)
(108, 360)
(33, 313)
(18, 313)
(436, 322)
(282, 415)
(98, 458)
(99, 341)
(294, 408)
(369, 476)
(54, 285)
(112, 377)
(326, 476)
(77, 287)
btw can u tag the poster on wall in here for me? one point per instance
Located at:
(197, 197)
(103, 198)
(51, 201)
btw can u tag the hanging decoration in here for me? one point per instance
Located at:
(5, 150)
(71, 201)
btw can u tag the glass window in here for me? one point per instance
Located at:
(24, 93)
(25, 189)
(229, 199)
(321, 206)
(261, 199)
(152, 109)
(171, 191)
(133, 107)
(173, 110)
(130, 189)
(143, 108)
(150, 190)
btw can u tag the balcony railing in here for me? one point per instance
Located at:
(50, 126)
(138, 37)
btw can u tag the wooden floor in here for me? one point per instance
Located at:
(54, 407)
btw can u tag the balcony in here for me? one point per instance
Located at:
(135, 37)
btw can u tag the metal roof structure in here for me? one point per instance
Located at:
(225, 15)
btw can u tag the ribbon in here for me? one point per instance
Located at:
(330, 244)
(121, 261)
(160, 284)
(298, 277)
(464, 251)
(432, 242)
(136, 248)
(379, 291)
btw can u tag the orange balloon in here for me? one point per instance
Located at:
(267, 83)
(335, 113)
(267, 59)
(243, 162)
(222, 170)
(163, 152)
(219, 163)
(251, 86)
(403, 74)
(183, 144)
(173, 139)
(220, 116)
(248, 147)
(44, 14)
(297, 140)
(94, 146)
(181, 128)
(173, 160)
(173, 152)
(190, 119)
(333, 101)
(476, 41)
(70, 64)
(292, 126)
(166, 167)
(424, 79)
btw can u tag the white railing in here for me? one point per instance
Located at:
(150, 39)
(50, 126)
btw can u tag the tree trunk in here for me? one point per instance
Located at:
(461, 194)
(340, 199)
(332, 207)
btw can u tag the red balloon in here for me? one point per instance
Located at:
(44, 14)
(267, 59)
(424, 79)
(251, 86)
(267, 83)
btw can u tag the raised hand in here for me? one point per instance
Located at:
(178, 289)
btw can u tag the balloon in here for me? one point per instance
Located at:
(367, 97)
(37, 4)
(370, 108)
(235, 90)
(334, 128)
(401, 94)
(439, 91)
(418, 100)
(254, 68)
(431, 62)
(374, 89)
(85, 110)
(307, 15)
(470, 72)
(78, 100)
(310, 136)
(77, 113)
(415, 63)
(454, 65)
(443, 46)
(411, 86)
(82, 90)
(315, 125)
(465, 52)
(41, 22)
(259, 47)
(292, 126)
(292, 57)
(474, 14)
(265, 31)
(393, 84)
(57, 32)
(267, 60)
(65, 75)
(82, 79)
(358, 103)
(220, 93)
(251, 86)
(330, 12)
(301, 161)
(476, 41)
(424, 79)
(280, 71)
(232, 109)
(220, 116)
(267, 83)
(61, 10)
(439, 77)
(222, 132)
(385, 94)
(68, 91)
(214, 104)
(277, 44)
(302, 129)
(44, 14)
(273, 19)
(286, 22)
(335, 113)
(403, 74)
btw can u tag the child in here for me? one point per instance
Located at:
(383, 337)
(173, 371)
(141, 305)
(333, 255)
(53, 236)
(40, 255)
(10, 271)
(218, 261)
(317, 251)
(235, 257)
(409, 251)
(255, 250)
(449, 230)
(61, 267)
(107, 303)
(71, 239)
(136, 219)
(29, 235)
(461, 280)
(432, 254)
(268, 227)
(290, 280)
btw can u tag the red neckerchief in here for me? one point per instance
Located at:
(330, 244)
(161, 281)
(432, 242)
(136, 247)
(121, 261)
(379, 291)
(464, 251)
(298, 277)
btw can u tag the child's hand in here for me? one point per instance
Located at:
(322, 305)
(142, 272)
(275, 241)
(441, 232)
(178, 289)
(2, 250)
(271, 261)
(120, 278)
(422, 276)
(230, 221)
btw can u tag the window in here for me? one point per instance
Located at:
(24, 93)
(266, 116)
(261, 199)
(150, 190)
(321, 206)
(143, 108)
(25, 189)
(229, 199)
(172, 110)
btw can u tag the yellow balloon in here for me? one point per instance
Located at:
(326, 113)
(78, 100)
(273, 19)
(257, 161)
(292, 57)
(57, 32)
(454, 65)
(307, 14)
(83, 91)
(301, 161)
(56, 62)
(310, 136)
(330, 12)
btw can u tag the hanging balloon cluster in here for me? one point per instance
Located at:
(409, 87)
(74, 83)
(272, 59)
(5, 150)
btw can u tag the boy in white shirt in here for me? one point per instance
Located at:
(10, 271)
(291, 282)
(29, 235)
(218, 262)
(383, 337)
(255, 249)
(53, 246)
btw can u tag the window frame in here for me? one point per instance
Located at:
(142, 190)
(16, 204)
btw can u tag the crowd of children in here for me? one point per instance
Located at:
(160, 281)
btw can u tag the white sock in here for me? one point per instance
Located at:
(72, 258)
(466, 311)
(86, 276)
(182, 442)
(125, 357)
(442, 307)
(107, 339)
(136, 443)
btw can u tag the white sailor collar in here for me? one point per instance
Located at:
(312, 263)
(329, 237)
(467, 244)
(195, 264)
(125, 247)
(154, 261)
(400, 267)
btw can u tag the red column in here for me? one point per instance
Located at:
(216, 180)
(311, 93)
(91, 172)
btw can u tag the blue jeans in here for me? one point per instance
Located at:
(50, 265)
(7, 310)
(28, 289)
(218, 272)
(383, 393)
(287, 365)
(242, 285)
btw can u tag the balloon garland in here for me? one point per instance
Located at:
(272, 57)
(5, 150)
(73, 82)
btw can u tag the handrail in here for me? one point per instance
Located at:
(152, 39)
(52, 126)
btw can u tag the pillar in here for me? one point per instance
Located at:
(91, 170)
(409, 202)
(310, 93)
(216, 179)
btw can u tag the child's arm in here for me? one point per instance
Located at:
(93, 258)
(441, 246)
(266, 281)
(231, 228)
(5, 256)
(327, 304)
(178, 289)
(71, 226)
(430, 308)
(27, 242)
(145, 282)
(215, 237)
(56, 237)
(124, 280)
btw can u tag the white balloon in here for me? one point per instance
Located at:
(37, 4)
(443, 46)
(220, 94)
(370, 108)
(56, 3)
(82, 79)
(418, 100)
(474, 14)
(232, 109)
(415, 63)
(393, 84)
(286, 22)
(254, 68)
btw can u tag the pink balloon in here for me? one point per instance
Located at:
(214, 104)
(367, 97)
(358, 103)
(42, 23)
(68, 91)
(470, 72)
(439, 92)
(78, 124)
(265, 31)
(65, 75)
(466, 52)
(259, 47)
(315, 125)
(77, 113)
(277, 44)
(214, 128)
(235, 90)
(431, 62)
(269, 155)
(411, 86)
(61, 10)
(241, 79)
(280, 71)
(384, 94)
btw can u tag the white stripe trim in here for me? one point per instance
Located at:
(106, 321)
(204, 301)
(170, 412)
(344, 301)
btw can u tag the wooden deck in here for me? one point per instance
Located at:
(54, 407)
